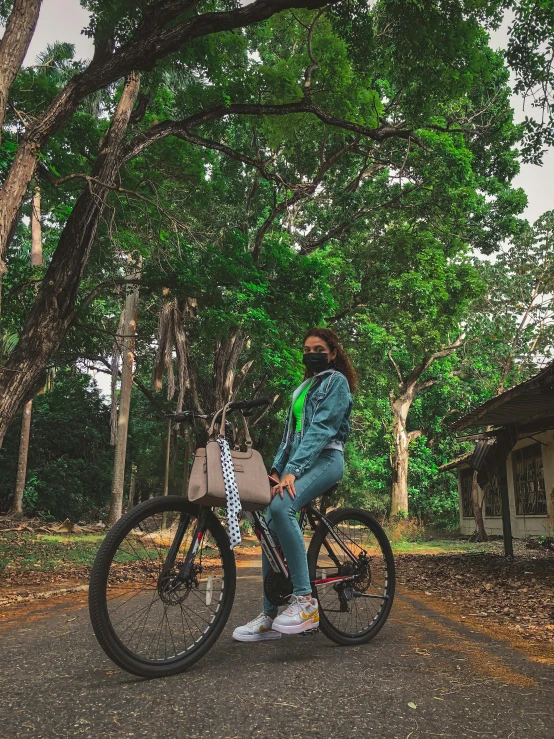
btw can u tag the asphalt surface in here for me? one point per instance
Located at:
(56, 682)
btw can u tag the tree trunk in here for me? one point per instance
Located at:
(36, 231)
(400, 460)
(36, 261)
(127, 360)
(54, 308)
(226, 359)
(13, 46)
(132, 488)
(17, 506)
(409, 388)
(481, 534)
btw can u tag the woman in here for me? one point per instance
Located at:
(310, 460)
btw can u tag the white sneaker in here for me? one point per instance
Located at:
(301, 615)
(259, 629)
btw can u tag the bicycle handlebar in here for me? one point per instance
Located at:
(239, 405)
(244, 404)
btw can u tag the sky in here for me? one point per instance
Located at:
(63, 20)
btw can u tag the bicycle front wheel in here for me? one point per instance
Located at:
(351, 568)
(148, 619)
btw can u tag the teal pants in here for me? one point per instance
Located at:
(326, 471)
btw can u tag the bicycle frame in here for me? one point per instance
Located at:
(273, 552)
(308, 514)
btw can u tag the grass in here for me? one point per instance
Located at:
(439, 546)
(46, 552)
(25, 552)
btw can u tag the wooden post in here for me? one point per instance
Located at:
(166, 475)
(506, 517)
(167, 458)
(186, 470)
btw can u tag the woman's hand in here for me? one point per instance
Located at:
(286, 483)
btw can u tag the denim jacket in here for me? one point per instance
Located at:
(325, 422)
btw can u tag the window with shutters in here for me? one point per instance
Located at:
(493, 499)
(530, 492)
(467, 503)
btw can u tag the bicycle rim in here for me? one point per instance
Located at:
(145, 620)
(353, 576)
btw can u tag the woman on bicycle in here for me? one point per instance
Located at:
(309, 461)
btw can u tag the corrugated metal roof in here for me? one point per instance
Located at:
(524, 402)
(455, 462)
(481, 451)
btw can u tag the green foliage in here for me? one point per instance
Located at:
(531, 55)
(380, 248)
(70, 457)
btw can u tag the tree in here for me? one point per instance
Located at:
(377, 113)
(36, 261)
(70, 456)
(530, 54)
(20, 28)
(408, 389)
(127, 351)
(293, 160)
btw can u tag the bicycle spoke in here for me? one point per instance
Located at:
(351, 606)
(153, 614)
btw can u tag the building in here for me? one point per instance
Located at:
(514, 461)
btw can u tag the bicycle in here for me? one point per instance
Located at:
(163, 582)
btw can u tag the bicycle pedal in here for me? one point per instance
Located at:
(309, 631)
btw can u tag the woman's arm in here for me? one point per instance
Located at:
(323, 428)
(282, 453)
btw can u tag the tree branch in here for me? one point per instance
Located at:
(310, 245)
(183, 127)
(14, 44)
(396, 367)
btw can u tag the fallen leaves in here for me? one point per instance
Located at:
(518, 593)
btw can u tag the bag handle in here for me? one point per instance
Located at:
(223, 413)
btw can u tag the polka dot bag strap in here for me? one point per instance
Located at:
(232, 493)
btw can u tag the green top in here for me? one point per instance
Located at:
(298, 405)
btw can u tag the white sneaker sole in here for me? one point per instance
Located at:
(296, 628)
(263, 636)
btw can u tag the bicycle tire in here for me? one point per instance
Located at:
(104, 631)
(331, 631)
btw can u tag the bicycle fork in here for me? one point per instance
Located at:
(185, 570)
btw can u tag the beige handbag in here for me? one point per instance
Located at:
(206, 485)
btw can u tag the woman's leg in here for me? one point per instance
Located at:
(269, 608)
(324, 473)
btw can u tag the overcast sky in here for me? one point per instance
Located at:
(63, 20)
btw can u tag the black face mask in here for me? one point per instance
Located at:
(316, 361)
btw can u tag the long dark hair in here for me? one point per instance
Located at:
(342, 361)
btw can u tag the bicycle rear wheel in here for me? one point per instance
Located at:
(351, 568)
(145, 618)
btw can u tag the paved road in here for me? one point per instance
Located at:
(56, 682)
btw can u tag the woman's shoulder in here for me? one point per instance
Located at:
(337, 381)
